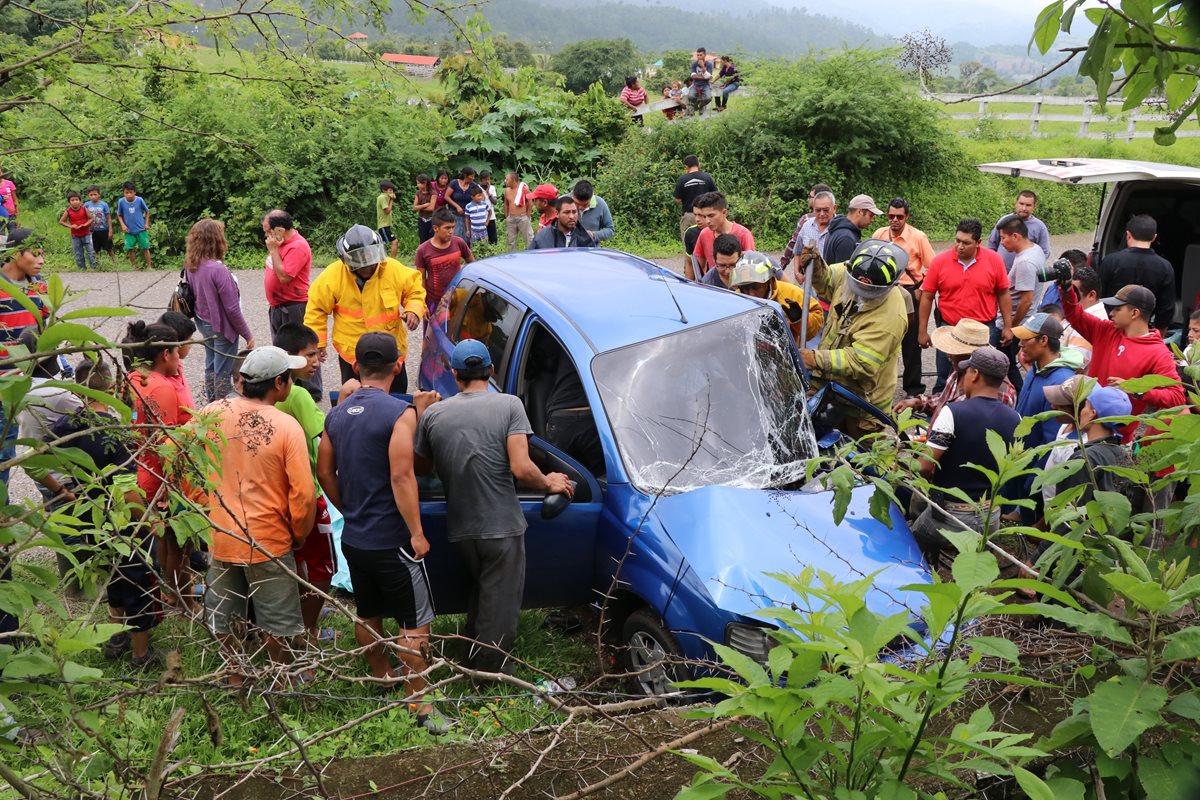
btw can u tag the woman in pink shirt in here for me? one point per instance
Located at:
(8, 197)
(634, 96)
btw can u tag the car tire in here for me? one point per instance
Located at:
(651, 656)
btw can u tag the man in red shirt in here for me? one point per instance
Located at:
(970, 282)
(1124, 346)
(286, 278)
(712, 215)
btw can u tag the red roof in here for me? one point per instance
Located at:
(357, 36)
(416, 61)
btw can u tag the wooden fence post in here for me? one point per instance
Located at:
(1087, 118)
(1035, 114)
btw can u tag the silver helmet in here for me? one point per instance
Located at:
(361, 247)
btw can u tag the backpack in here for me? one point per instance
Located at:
(183, 299)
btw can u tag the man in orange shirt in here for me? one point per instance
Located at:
(920, 254)
(262, 504)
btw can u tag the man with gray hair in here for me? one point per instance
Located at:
(808, 227)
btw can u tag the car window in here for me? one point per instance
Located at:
(493, 320)
(458, 302)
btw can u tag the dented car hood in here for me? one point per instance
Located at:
(732, 537)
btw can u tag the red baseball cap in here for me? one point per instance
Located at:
(544, 191)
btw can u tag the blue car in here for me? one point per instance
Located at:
(680, 412)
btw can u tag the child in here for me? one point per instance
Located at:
(476, 212)
(383, 214)
(102, 237)
(315, 559)
(135, 222)
(1189, 367)
(8, 198)
(485, 180)
(132, 591)
(424, 203)
(440, 259)
(184, 330)
(78, 220)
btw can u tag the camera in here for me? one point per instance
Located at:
(1059, 272)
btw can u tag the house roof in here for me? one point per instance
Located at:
(416, 61)
(358, 35)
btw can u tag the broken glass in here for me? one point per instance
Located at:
(722, 404)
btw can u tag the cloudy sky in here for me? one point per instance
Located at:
(981, 22)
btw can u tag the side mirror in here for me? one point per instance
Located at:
(554, 504)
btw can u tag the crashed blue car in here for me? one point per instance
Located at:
(689, 486)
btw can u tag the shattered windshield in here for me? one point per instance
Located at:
(718, 405)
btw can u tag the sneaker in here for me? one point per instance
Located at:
(434, 723)
(149, 661)
(116, 646)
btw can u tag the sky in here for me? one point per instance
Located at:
(981, 22)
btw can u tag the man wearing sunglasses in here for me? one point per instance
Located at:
(920, 255)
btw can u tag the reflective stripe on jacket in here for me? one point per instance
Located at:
(378, 306)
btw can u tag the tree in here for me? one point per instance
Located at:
(512, 54)
(1139, 49)
(676, 65)
(606, 61)
(924, 55)
(975, 77)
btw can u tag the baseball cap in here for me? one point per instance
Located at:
(267, 362)
(1040, 324)
(864, 201)
(544, 191)
(1133, 295)
(376, 349)
(1109, 401)
(18, 238)
(987, 360)
(1063, 394)
(470, 353)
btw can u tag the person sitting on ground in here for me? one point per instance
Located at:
(757, 276)
(566, 230)
(958, 443)
(262, 505)
(956, 342)
(860, 348)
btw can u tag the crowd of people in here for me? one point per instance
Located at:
(1015, 336)
(708, 81)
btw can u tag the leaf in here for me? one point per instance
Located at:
(96, 311)
(1032, 785)
(995, 646)
(746, 668)
(1147, 383)
(1122, 710)
(1149, 596)
(1183, 645)
(1162, 781)
(1179, 88)
(30, 664)
(973, 570)
(1113, 508)
(1045, 29)
(1186, 706)
(78, 672)
(1091, 623)
(71, 332)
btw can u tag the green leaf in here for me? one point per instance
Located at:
(1146, 383)
(746, 668)
(1163, 781)
(97, 311)
(71, 332)
(964, 541)
(30, 664)
(995, 646)
(1122, 710)
(1179, 88)
(1146, 594)
(1040, 587)
(1186, 706)
(1032, 785)
(1183, 645)
(973, 570)
(1113, 508)
(1045, 29)
(1091, 623)
(78, 672)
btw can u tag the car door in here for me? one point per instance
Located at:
(469, 311)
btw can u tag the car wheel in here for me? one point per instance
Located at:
(652, 656)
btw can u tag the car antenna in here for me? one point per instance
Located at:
(682, 317)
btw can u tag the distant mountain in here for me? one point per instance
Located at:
(756, 28)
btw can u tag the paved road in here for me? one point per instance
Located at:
(148, 292)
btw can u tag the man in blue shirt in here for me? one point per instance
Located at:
(1037, 232)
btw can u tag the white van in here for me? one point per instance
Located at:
(1167, 192)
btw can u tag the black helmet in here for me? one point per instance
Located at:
(361, 247)
(875, 267)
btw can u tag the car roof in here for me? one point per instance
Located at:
(612, 298)
(1091, 170)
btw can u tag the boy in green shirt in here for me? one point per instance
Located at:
(383, 214)
(315, 560)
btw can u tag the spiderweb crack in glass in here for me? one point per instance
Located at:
(717, 405)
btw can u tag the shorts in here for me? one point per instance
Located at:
(102, 242)
(137, 241)
(386, 234)
(316, 554)
(133, 590)
(275, 591)
(389, 583)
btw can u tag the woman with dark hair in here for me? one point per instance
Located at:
(218, 305)
(184, 329)
(462, 189)
(731, 81)
(634, 96)
(441, 189)
(157, 409)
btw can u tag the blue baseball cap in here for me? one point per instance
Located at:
(470, 353)
(1109, 401)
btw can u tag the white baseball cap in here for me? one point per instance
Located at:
(267, 362)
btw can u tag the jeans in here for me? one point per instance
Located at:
(722, 99)
(219, 355)
(82, 247)
(913, 381)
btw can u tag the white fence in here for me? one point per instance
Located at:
(1043, 109)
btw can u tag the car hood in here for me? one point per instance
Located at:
(732, 537)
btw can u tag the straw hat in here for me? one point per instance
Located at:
(963, 338)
